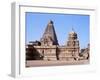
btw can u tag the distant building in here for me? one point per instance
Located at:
(49, 49)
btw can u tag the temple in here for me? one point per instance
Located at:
(49, 49)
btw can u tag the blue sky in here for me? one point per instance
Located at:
(63, 24)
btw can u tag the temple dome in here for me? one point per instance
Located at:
(72, 35)
(50, 22)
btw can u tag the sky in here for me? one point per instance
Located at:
(63, 24)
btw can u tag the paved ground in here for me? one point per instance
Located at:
(34, 63)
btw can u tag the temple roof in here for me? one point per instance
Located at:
(50, 32)
(72, 33)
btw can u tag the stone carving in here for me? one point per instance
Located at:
(49, 49)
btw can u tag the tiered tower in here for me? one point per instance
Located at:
(49, 37)
(73, 45)
(49, 42)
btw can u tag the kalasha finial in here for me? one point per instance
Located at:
(72, 32)
(50, 22)
(72, 29)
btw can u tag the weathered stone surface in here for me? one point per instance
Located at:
(49, 37)
(48, 48)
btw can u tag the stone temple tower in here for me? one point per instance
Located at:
(49, 42)
(49, 37)
(73, 45)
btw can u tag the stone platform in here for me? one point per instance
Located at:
(39, 63)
